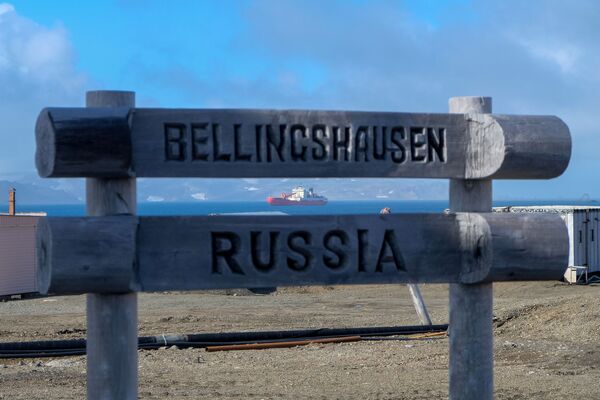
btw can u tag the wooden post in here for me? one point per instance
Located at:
(471, 369)
(112, 365)
(419, 304)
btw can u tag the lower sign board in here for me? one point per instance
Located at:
(126, 253)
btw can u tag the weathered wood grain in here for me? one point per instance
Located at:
(419, 303)
(117, 195)
(112, 339)
(94, 255)
(190, 253)
(142, 142)
(112, 364)
(84, 142)
(471, 352)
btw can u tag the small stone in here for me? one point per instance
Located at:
(62, 363)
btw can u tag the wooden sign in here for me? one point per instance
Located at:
(120, 254)
(110, 257)
(124, 142)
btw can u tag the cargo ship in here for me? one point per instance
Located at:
(299, 197)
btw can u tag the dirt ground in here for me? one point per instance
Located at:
(546, 345)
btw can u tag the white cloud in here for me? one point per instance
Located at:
(155, 199)
(6, 8)
(37, 69)
(565, 56)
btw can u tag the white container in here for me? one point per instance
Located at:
(583, 224)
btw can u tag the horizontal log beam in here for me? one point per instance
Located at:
(118, 142)
(127, 253)
(87, 255)
(84, 142)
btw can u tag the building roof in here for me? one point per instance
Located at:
(25, 214)
(556, 209)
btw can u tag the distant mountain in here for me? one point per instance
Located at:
(259, 189)
(33, 190)
(32, 193)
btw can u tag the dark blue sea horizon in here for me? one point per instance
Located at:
(335, 207)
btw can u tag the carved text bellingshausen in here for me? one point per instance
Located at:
(266, 143)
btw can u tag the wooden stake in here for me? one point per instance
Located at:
(471, 369)
(419, 303)
(112, 360)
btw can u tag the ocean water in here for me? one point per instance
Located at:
(331, 208)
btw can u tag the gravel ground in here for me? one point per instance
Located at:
(546, 345)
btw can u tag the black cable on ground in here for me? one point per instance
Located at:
(42, 354)
(321, 332)
(57, 348)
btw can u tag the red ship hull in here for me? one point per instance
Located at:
(280, 201)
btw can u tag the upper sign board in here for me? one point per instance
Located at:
(123, 142)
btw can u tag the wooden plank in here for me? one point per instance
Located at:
(190, 253)
(471, 352)
(294, 143)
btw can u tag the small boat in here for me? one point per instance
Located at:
(299, 197)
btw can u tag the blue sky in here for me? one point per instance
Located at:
(532, 57)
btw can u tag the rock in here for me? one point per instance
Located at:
(62, 363)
